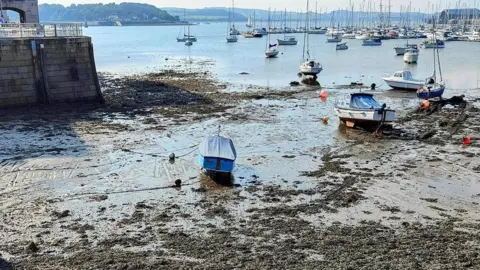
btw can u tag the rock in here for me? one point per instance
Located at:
(99, 198)
(171, 157)
(178, 183)
(244, 73)
(62, 214)
(31, 248)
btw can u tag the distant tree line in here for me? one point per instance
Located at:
(107, 12)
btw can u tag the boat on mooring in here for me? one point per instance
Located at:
(433, 44)
(334, 39)
(361, 109)
(372, 42)
(404, 80)
(309, 67)
(342, 46)
(401, 50)
(217, 155)
(411, 56)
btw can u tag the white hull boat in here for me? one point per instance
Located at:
(348, 36)
(404, 80)
(288, 41)
(342, 46)
(314, 31)
(271, 53)
(232, 39)
(311, 68)
(403, 49)
(411, 56)
(362, 37)
(362, 109)
(334, 39)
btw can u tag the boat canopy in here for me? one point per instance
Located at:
(406, 75)
(363, 101)
(219, 147)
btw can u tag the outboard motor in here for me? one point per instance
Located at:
(373, 86)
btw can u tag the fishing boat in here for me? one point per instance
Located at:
(361, 109)
(401, 50)
(433, 88)
(309, 67)
(434, 44)
(411, 56)
(372, 42)
(217, 154)
(342, 46)
(334, 39)
(231, 38)
(404, 80)
(287, 40)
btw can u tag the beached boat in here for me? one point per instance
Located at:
(342, 46)
(272, 49)
(309, 67)
(361, 109)
(404, 80)
(217, 155)
(433, 88)
(372, 42)
(411, 56)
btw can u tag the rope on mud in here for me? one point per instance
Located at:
(162, 154)
(129, 191)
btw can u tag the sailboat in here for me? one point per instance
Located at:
(232, 37)
(432, 87)
(186, 37)
(189, 42)
(317, 30)
(309, 67)
(272, 49)
(287, 40)
(249, 22)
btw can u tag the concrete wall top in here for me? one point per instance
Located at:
(50, 40)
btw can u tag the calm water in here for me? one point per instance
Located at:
(145, 49)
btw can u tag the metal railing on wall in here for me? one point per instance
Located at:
(29, 30)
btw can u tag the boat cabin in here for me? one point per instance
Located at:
(405, 75)
(360, 101)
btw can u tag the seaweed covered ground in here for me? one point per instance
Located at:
(92, 186)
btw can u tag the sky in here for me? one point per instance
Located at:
(294, 5)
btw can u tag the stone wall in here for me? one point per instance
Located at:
(47, 70)
(28, 9)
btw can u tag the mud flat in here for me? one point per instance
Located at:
(92, 187)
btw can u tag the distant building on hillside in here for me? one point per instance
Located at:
(457, 15)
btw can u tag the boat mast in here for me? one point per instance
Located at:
(285, 26)
(305, 36)
(233, 15)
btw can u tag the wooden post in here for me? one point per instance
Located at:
(43, 71)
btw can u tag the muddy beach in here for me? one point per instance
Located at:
(92, 187)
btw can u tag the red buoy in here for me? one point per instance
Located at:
(466, 140)
(323, 94)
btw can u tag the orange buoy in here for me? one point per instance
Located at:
(323, 94)
(466, 140)
(424, 104)
(323, 99)
(325, 120)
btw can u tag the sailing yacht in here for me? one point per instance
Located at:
(432, 87)
(232, 37)
(287, 40)
(317, 30)
(186, 37)
(309, 67)
(272, 49)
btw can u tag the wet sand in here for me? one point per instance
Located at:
(93, 188)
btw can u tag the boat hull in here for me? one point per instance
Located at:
(232, 39)
(436, 92)
(271, 54)
(214, 164)
(317, 32)
(410, 58)
(364, 117)
(400, 50)
(404, 85)
(287, 42)
(334, 40)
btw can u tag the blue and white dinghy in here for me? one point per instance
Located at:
(217, 155)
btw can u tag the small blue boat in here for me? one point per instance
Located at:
(217, 154)
(431, 91)
(372, 42)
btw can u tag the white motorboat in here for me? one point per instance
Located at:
(434, 44)
(363, 37)
(372, 42)
(361, 109)
(401, 50)
(287, 41)
(309, 67)
(342, 46)
(411, 56)
(334, 39)
(348, 36)
(272, 51)
(404, 80)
